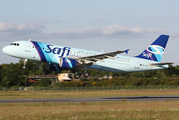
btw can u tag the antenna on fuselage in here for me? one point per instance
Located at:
(29, 39)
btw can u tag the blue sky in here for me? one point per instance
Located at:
(95, 24)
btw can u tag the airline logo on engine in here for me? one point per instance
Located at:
(58, 51)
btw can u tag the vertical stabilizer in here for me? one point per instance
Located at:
(155, 51)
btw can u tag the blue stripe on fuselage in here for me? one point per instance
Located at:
(43, 45)
(40, 52)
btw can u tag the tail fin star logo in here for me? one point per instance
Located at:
(155, 49)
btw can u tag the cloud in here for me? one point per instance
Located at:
(6, 26)
(113, 31)
(28, 26)
(35, 30)
(19, 31)
(157, 31)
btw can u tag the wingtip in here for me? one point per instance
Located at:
(126, 51)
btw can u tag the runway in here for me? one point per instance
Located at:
(93, 99)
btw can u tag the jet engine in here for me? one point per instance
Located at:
(67, 63)
(54, 67)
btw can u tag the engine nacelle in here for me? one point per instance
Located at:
(54, 67)
(67, 63)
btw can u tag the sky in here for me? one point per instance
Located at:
(107, 25)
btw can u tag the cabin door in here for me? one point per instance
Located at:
(27, 47)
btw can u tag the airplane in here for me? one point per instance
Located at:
(63, 57)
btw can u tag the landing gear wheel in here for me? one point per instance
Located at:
(76, 76)
(86, 74)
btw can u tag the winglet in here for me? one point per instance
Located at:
(126, 51)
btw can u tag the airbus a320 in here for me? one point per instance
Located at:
(63, 57)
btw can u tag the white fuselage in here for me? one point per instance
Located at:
(50, 53)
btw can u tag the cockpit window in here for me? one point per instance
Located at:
(15, 44)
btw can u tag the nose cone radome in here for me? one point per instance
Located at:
(9, 50)
(5, 49)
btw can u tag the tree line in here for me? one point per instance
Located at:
(14, 75)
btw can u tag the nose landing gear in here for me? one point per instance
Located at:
(25, 61)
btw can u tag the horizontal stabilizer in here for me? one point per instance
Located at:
(152, 65)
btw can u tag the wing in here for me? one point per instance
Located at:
(94, 58)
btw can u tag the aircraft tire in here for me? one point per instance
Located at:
(86, 74)
(77, 76)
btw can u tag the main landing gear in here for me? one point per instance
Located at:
(85, 75)
(77, 75)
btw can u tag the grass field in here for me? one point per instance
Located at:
(124, 110)
(99, 93)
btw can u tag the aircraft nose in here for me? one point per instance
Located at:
(5, 49)
(9, 51)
